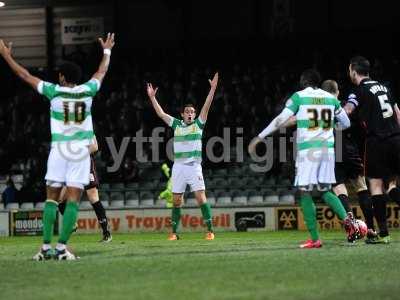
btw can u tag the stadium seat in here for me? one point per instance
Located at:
(145, 194)
(132, 202)
(131, 195)
(104, 195)
(146, 202)
(210, 183)
(220, 172)
(39, 205)
(27, 205)
(132, 199)
(105, 203)
(116, 196)
(236, 182)
(236, 171)
(117, 186)
(210, 198)
(117, 204)
(147, 185)
(156, 182)
(270, 181)
(132, 185)
(251, 192)
(160, 203)
(219, 191)
(286, 182)
(266, 191)
(239, 197)
(11, 206)
(287, 197)
(239, 200)
(190, 201)
(254, 182)
(1, 206)
(271, 198)
(116, 200)
(104, 186)
(146, 199)
(224, 199)
(207, 173)
(85, 205)
(255, 198)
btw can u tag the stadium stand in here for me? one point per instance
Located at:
(258, 92)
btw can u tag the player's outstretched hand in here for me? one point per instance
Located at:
(109, 42)
(253, 145)
(5, 49)
(151, 92)
(214, 81)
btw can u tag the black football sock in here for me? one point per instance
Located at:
(101, 215)
(366, 207)
(394, 195)
(61, 207)
(345, 202)
(379, 203)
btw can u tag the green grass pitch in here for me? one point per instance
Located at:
(249, 265)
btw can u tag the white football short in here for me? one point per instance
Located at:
(315, 168)
(68, 165)
(184, 174)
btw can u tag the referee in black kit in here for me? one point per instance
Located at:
(382, 145)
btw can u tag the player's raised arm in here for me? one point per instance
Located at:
(21, 72)
(107, 45)
(276, 123)
(206, 107)
(151, 92)
(397, 111)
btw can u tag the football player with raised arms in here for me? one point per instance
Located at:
(187, 168)
(71, 134)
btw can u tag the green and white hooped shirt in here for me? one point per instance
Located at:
(315, 111)
(70, 111)
(187, 140)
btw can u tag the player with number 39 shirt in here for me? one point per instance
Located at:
(315, 110)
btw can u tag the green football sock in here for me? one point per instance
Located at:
(176, 218)
(69, 220)
(206, 212)
(49, 217)
(310, 215)
(334, 203)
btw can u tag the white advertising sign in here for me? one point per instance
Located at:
(81, 30)
(4, 224)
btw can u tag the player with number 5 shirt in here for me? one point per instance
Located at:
(376, 112)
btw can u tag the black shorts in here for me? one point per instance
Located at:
(93, 180)
(382, 157)
(351, 165)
